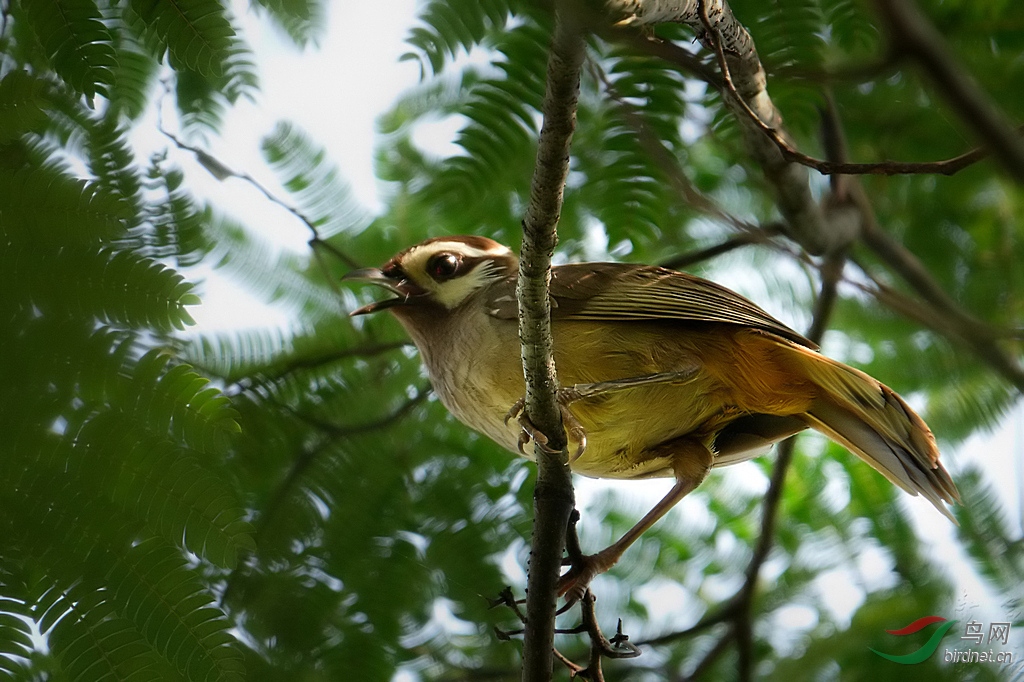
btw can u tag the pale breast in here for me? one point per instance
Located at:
(474, 363)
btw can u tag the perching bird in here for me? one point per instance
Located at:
(673, 374)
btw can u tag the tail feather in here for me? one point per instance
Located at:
(875, 423)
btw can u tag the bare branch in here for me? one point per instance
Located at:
(664, 49)
(314, 361)
(690, 63)
(706, 623)
(553, 495)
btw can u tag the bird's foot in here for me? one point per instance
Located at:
(528, 432)
(583, 568)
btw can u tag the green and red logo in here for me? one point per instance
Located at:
(929, 647)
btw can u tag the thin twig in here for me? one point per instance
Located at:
(685, 260)
(306, 459)
(721, 616)
(250, 381)
(222, 171)
(790, 153)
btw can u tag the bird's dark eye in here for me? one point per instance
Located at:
(443, 265)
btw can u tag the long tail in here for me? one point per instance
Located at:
(874, 422)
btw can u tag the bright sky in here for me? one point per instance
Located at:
(335, 93)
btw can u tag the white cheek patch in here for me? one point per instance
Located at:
(455, 291)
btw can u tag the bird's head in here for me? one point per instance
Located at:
(443, 271)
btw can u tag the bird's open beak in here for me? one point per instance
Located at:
(403, 288)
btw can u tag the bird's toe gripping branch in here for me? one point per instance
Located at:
(573, 427)
(568, 395)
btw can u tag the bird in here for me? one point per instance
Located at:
(663, 374)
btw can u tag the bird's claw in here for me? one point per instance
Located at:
(528, 432)
(515, 410)
(574, 429)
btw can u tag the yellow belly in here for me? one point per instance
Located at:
(733, 377)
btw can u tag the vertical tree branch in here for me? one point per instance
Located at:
(553, 496)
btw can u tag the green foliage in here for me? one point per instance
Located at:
(302, 20)
(116, 507)
(75, 41)
(323, 197)
(22, 100)
(196, 33)
(296, 504)
(452, 27)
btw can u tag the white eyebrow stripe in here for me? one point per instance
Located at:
(465, 249)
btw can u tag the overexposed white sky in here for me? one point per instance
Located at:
(335, 93)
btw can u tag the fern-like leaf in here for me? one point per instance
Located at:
(238, 354)
(998, 554)
(22, 103)
(851, 27)
(114, 287)
(15, 633)
(112, 161)
(155, 480)
(203, 98)
(155, 589)
(502, 122)
(134, 76)
(307, 173)
(302, 20)
(46, 204)
(197, 33)
(270, 274)
(93, 645)
(78, 44)
(450, 27)
(176, 400)
(176, 227)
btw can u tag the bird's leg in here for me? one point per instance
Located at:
(568, 395)
(692, 461)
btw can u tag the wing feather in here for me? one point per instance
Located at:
(623, 292)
